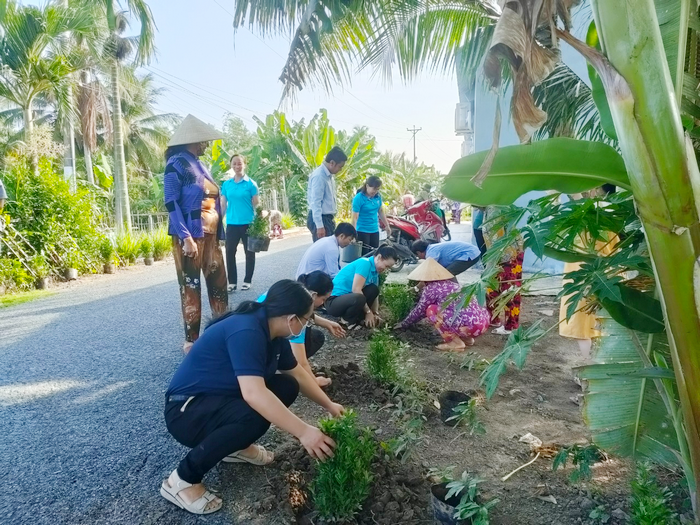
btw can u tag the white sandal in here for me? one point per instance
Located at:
(199, 506)
(262, 458)
(246, 286)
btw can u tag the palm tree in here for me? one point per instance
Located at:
(35, 61)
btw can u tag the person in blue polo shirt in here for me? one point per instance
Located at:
(239, 378)
(367, 210)
(239, 197)
(455, 256)
(355, 296)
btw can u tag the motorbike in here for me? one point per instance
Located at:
(405, 255)
(422, 221)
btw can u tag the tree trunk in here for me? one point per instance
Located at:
(88, 164)
(29, 137)
(69, 155)
(121, 191)
(666, 185)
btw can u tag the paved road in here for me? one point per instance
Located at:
(82, 379)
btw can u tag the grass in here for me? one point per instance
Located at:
(23, 297)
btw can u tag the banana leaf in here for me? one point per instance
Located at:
(637, 310)
(628, 414)
(560, 164)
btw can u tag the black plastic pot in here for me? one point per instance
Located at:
(148, 261)
(449, 399)
(110, 268)
(42, 284)
(258, 244)
(444, 509)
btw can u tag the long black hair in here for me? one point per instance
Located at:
(317, 281)
(285, 297)
(387, 252)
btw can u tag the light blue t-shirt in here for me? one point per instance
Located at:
(342, 284)
(239, 200)
(450, 251)
(301, 338)
(368, 210)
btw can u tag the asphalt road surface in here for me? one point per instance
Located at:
(82, 382)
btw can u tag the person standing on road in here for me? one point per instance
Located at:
(455, 256)
(239, 198)
(321, 192)
(192, 201)
(227, 392)
(324, 255)
(367, 211)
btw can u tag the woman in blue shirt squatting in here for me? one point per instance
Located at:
(192, 201)
(367, 210)
(355, 296)
(310, 340)
(227, 392)
(239, 198)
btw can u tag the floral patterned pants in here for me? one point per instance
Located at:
(210, 262)
(511, 275)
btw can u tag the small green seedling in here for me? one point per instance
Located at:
(404, 446)
(599, 515)
(382, 358)
(444, 475)
(470, 505)
(582, 458)
(650, 502)
(465, 415)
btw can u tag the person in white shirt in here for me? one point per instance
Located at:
(321, 195)
(324, 254)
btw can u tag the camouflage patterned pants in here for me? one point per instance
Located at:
(210, 262)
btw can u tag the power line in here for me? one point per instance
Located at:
(415, 132)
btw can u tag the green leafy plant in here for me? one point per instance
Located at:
(382, 358)
(650, 503)
(465, 415)
(107, 251)
(441, 475)
(162, 243)
(343, 482)
(40, 266)
(146, 247)
(403, 447)
(73, 259)
(599, 515)
(287, 221)
(399, 299)
(127, 247)
(259, 228)
(471, 506)
(582, 457)
(14, 276)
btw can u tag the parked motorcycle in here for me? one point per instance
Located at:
(405, 255)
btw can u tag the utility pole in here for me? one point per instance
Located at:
(414, 131)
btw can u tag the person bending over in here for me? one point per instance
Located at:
(227, 391)
(324, 254)
(310, 340)
(455, 256)
(355, 296)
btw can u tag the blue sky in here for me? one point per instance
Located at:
(209, 70)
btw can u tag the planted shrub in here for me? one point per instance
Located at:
(382, 358)
(650, 502)
(146, 247)
(399, 299)
(465, 415)
(287, 221)
(128, 248)
(162, 243)
(14, 276)
(343, 482)
(40, 266)
(259, 228)
(583, 459)
(107, 251)
(471, 506)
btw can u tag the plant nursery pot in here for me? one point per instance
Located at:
(110, 268)
(71, 274)
(444, 510)
(449, 399)
(258, 244)
(351, 252)
(42, 284)
(148, 261)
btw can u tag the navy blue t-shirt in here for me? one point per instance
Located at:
(239, 345)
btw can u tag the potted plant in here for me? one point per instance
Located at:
(146, 250)
(41, 269)
(109, 256)
(71, 261)
(458, 501)
(162, 244)
(258, 233)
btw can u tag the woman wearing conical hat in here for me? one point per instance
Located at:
(192, 201)
(457, 330)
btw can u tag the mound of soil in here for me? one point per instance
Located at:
(352, 386)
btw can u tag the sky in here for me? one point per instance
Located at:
(208, 69)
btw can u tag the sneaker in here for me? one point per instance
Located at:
(246, 286)
(231, 288)
(500, 331)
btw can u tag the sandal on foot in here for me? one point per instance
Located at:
(198, 506)
(231, 288)
(262, 458)
(246, 286)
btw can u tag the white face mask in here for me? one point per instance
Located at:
(292, 335)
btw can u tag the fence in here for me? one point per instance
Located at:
(149, 221)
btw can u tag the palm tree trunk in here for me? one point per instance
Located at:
(122, 206)
(69, 155)
(88, 164)
(29, 137)
(666, 184)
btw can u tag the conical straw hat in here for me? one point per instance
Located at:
(192, 130)
(430, 270)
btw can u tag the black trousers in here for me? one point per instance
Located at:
(328, 225)
(351, 306)
(458, 267)
(369, 241)
(235, 234)
(313, 341)
(216, 426)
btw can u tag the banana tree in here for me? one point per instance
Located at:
(647, 84)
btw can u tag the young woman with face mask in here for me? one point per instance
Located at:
(227, 392)
(310, 340)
